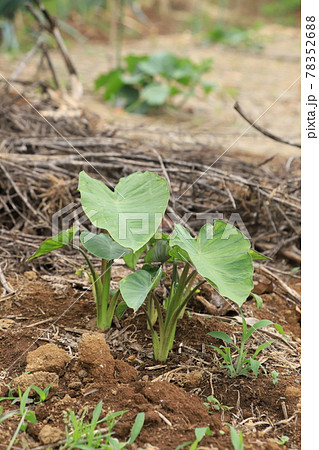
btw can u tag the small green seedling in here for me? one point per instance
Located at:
(145, 82)
(238, 362)
(118, 214)
(275, 376)
(213, 402)
(283, 440)
(236, 437)
(27, 415)
(84, 434)
(200, 433)
(23, 399)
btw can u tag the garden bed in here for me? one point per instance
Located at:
(50, 305)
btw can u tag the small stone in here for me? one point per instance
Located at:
(47, 358)
(50, 435)
(30, 275)
(75, 385)
(82, 373)
(66, 401)
(193, 379)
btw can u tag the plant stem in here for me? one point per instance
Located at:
(14, 437)
(168, 328)
(152, 312)
(178, 294)
(103, 269)
(155, 339)
(104, 322)
(175, 276)
(96, 284)
(111, 309)
(242, 344)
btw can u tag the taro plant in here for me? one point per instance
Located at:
(118, 215)
(129, 218)
(220, 255)
(145, 82)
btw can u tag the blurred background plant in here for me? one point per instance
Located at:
(148, 81)
(140, 83)
(235, 23)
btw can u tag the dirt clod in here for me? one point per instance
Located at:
(124, 372)
(75, 385)
(82, 373)
(193, 379)
(30, 275)
(3, 389)
(39, 379)
(174, 399)
(95, 356)
(292, 392)
(47, 358)
(50, 435)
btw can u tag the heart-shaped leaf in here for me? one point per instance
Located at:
(103, 246)
(60, 240)
(220, 254)
(132, 213)
(135, 287)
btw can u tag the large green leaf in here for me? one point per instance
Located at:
(162, 63)
(220, 254)
(155, 94)
(103, 246)
(132, 212)
(60, 240)
(135, 286)
(111, 81)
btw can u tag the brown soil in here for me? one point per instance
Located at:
(64, 349)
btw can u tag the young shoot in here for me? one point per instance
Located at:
(98, 432)
(235, 357)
